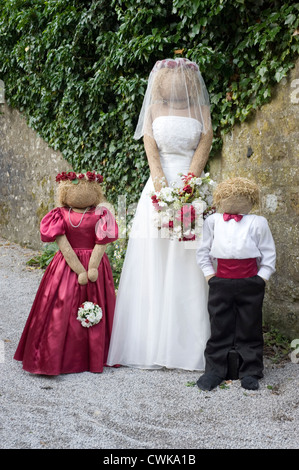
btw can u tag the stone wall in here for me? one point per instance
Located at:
(266, 149)
(27, 179)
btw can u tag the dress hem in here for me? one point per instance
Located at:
(39, 372)
(158, 367)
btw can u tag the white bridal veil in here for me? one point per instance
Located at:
(175, 88)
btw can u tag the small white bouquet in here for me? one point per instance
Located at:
(89, 314)
(181, 208)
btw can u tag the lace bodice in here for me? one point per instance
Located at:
(177, 138)
(176, 135)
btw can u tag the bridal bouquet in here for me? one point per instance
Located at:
(180, 208)
(89, 314)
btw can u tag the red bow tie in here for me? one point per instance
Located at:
(237, 217)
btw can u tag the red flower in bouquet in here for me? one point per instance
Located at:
(155, 201)
(187, 189)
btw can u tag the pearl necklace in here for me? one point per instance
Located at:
(75, 226)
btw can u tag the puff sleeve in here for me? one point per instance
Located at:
(106, 227)
(52, 225)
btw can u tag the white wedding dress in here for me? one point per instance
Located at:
(161, 317)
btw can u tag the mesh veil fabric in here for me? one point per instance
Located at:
(175, 88)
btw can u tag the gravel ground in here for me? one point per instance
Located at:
(128, 408)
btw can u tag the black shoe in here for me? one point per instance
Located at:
(250, 382)
(208, 381)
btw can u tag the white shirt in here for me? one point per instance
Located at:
(249, 238)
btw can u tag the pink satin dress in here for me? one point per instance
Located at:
(53, 341)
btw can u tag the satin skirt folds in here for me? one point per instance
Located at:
(161, 317)
(53, 340)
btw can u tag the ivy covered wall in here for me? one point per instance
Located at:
(77, 69)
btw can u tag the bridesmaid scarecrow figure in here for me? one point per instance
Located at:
(56, 338)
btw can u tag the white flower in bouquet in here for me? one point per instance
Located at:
(88, 306)
(177, 205)
(166, 194)
(163, 204)
(89, 314)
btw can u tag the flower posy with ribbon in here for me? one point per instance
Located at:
(181, 207)
(89, 314)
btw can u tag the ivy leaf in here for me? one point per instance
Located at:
(279, 74)
(290, 18)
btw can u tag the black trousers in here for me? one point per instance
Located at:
(235, 309)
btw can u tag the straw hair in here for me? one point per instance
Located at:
(64, 186)
(237, 186)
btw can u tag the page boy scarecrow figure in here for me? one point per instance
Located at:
(241, 248)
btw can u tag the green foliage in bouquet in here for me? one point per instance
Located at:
(78, 69)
